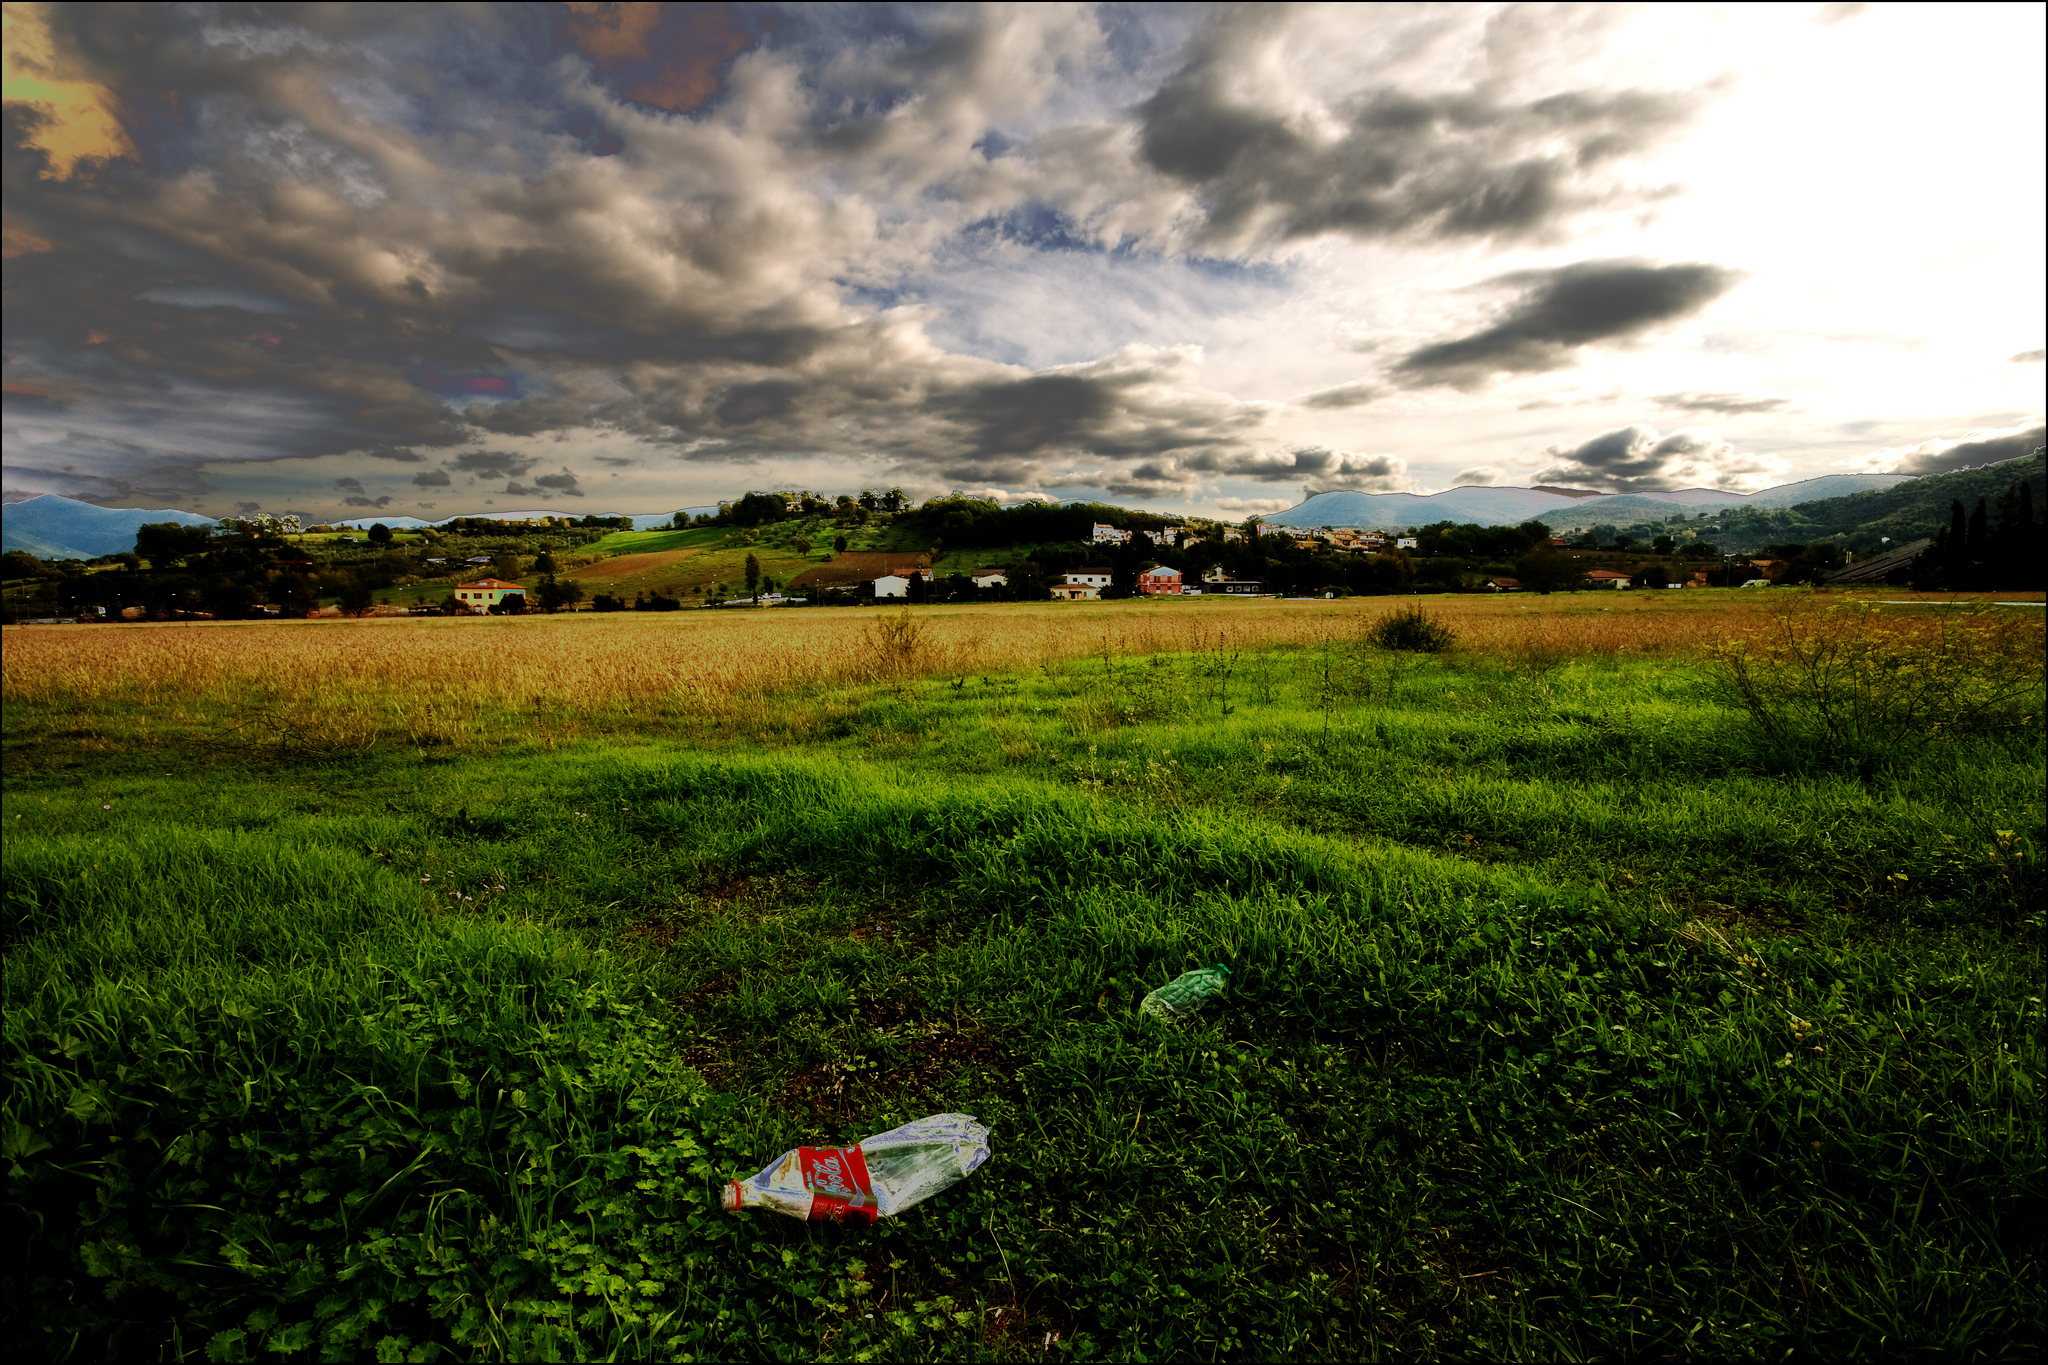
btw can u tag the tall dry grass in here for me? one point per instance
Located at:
(435, 680)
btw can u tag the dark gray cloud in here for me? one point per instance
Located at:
(431, 478)
(366, 502)
(1563, 310)
(490, 464)
(350, 484)
(1724, 404)
(1352, 395)
(1459, 164)
(563, 483)
(1978, 448)
(1636, 459)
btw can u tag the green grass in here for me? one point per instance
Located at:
(1566, 1021)
(648, 542)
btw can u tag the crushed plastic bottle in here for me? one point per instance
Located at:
(879, 1177)
(1179, 999)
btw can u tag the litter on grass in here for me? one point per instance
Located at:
(1181, 998)
(878, 1177)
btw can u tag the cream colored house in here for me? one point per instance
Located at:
(486, 593)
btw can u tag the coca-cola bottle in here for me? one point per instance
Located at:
(878, 1177)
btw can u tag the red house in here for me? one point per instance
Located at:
(1161, 580)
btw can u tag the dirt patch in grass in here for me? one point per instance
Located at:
(622, 568)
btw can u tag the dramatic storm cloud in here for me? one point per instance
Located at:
(631, 257)
(1635, 459)
(1939, 456)
(1564, 310)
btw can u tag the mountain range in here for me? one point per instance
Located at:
(51, 527)
(1560, 510)
(54, 527)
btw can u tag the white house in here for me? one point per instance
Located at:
(895, 585)
(990, 578)
(1164, 538)
(1405, 543)
(1090, 577)
(1110, 535)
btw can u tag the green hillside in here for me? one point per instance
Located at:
(1861, 521)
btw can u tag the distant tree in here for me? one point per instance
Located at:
(555, 594)
(505, 565)
(380, 534)
(355, 597)
(803, 545)
(839, 545)
(544, 563)
(753, 577)
(1544, 570)
(22, 564)
(166, 543)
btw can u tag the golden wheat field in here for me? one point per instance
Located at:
(443, 679)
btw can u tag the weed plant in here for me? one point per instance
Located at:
(1562, 1024)
(1411, 628)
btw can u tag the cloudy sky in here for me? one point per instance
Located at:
(338, 259)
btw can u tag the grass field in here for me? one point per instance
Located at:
(405, 988)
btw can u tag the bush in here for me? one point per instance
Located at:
(1848, 680)
(1411, 628)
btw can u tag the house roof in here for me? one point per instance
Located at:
(491, 584)
(1164, 570)
(862, 566)
(1606, 573)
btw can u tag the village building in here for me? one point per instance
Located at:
(486, 593)
(898, 585)
(1214, 580)
(848, 572)
(1110, 535)
(1607, 578)
(1406, 543)
(990, 578)
(1166, 538)
(1081, 585)
(1162, 581)
(1503, 584)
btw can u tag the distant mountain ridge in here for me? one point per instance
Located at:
(53, 527)
(1559, 509)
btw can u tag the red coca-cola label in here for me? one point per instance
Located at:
(837, 1178)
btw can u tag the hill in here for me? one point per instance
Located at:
(1560, 509)
(1919, 507)
(53, 527)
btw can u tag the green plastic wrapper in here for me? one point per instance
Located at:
(1183, 997)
